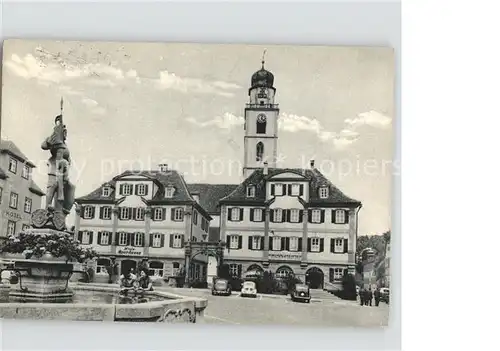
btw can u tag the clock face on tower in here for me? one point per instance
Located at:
(261, 118)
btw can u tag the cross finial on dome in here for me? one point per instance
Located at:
(263, 58)
(62, 104)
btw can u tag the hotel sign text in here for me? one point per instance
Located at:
(130, 251)
(13, 215)
(285, 256)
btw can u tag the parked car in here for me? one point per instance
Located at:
(384, 295)
(221, 287)
(249, 289)
(301, 292)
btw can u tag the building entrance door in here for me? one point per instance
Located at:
(315, 278)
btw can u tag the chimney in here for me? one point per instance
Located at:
(312, 164)
(266, 169)
(163, 167)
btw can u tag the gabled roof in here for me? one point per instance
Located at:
(163, 179)
(210, 194)
(313, 176)
(9, 147)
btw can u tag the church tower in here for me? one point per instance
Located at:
(261, 123)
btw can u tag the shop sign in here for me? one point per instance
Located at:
(130, 251)
(295, 256)
(13, 215)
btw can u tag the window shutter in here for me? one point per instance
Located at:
(101, 213)
(172, 214)
(270, 243)
(227, 241)
(333, 216)
(121, 189)
(273, 187)
(182, 214)
(322, 216)
(289, 191)
(240, 242)
(321, 244)
(136, 189)
(151, 236)
(251, 214)
(250, 240)
(287, 244)
(91, 237)
(162, 240)
(134, 213)
(301, 189)
(286, 215)
(283, 244)
(346, 217)
(345, 245)
(163, 214)
(99, 235)
(146, 189)
(229, 211)
(283, 216)
(241, 214)
(182, 241)
(130, 238)
(308, 244)
(271, 213)
(92, 212)
(80, 235)
(262, 243)
(117, 238)
(299, 246)
(171, 241)
(301, 216)
(309, 216)
(332, 245)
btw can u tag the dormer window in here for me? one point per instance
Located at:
(141, 190)
(251, 191)
(106, 191)
(169, 191)
(126, 189)
(323, 192)
(277, 189)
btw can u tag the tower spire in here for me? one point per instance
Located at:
(264, 58)
(62, 104)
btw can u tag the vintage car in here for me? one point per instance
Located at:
(249, 289)
(221, 287)
(301, 292)
(384, 295)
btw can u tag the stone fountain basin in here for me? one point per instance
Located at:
(170, 308)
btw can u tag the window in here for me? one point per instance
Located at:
(86, 238)
(102, 263)
(256, 241)
(294, 244)
(13, 165)
(314, 244)
(106, 191)
(283, 272)
(338, 245)
(169, 191)
(234, 270)
(13, 200)
(197, 271)
(261, 124)
(295, 190)
(195, 218)
(124, 213)
(126, 189)
(87, 212)
(340, 217)
(277, 215)
(123, 239)
(141, 189)
(316, 216)
(323, 192)
(106, 212)
(139, 239)
(156, 269)
(156, 242)
(178, 214)
(235, 214)
(276, 243)
(139, 213)
(26, 172)
(234, 242)
(105, 238)
(177, 241)
(158, 214)
(251, 191)
(257, 215)
(338, 273)
(27, 205)
(294, 215)
(277, 189)
(11, 228)
(259, 151)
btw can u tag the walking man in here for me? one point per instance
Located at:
(376, 294)
(369, 296)
(362, 296)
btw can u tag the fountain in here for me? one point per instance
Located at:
(43, 258)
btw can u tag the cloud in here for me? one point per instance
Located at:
(370, 118)
(89, 102)
(169, 80)
(226, 121)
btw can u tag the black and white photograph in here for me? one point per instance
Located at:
(196, 183)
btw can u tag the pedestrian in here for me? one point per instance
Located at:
(369, 296)
(362, 296)
(376, 294)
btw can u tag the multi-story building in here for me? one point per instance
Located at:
(19, 195)
(143, 215)
(287, 220)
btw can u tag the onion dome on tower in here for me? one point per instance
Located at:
(262, 78)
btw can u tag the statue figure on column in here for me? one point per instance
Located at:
(60, 191)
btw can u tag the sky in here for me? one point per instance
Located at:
(136, 105)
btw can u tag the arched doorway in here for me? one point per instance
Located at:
(127, 265)
(255, 267)
(283, 272)
(315, 278)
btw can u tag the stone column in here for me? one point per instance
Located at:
(305, 220)
(147, 230)
(353, 230)
(116, 211)
(187, 264)
(78, 210)
(267, 214)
